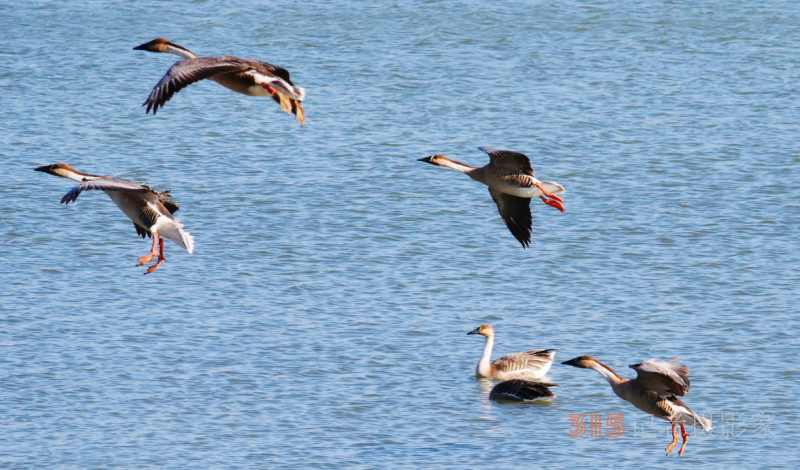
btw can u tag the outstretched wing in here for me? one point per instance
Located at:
(521, 390)
(516, 213)
(188, 71)
(508, 160)
(110, 184)
(665, 378)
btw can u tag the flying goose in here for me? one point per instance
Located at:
(246, 76)
(521, 390)
(151, 211)
(511, 183)
(655, 390)
(528, 365)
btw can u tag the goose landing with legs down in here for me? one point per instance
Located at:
(655, 390)
(151, 211)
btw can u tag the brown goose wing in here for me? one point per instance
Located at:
(665, 378)
(521, 390)
(534, 360)
(508, 160)
(516, 213)
(188, 71)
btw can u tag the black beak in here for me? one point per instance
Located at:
(45, 168)
(571, 362)
(475, 331)
(142, 47)
(426, 159)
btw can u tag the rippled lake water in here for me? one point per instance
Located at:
(322, 320)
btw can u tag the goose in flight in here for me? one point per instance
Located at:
(246, 76)
(511, 183)
(655, 390)
(521, 390)
(528, 365)
(151, 211)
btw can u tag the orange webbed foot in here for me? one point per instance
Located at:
(161, 257)
(674, 439)
(685, 436)
(553, 203)
(146, 259)
(152, 268)
(548, 194)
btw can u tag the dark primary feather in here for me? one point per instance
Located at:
(142, 232)
(508, 160)
(516, 213)
(279, 72)
(188, 71)
(521, 390)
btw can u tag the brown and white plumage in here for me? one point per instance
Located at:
(512, 184)
(655, 390)
(521, 390)
(246, 76)
(527, 365)
(150, 210)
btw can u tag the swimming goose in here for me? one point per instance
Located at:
(655, 390)
(151, 211)
(521, 390)
(511, 183)
(528, 365)
(246, 76)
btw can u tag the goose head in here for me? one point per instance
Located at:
(438, 160)
(483, 330)
(60, 169)
(159, 45)
(582, 362)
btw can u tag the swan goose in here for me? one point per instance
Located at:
(151, 211)
(655, 390)
(511, 183)
(528, 365)
(246, 76)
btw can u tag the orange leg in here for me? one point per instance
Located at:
(553, 203)
(685, 440)
(551, 196)
(161, 258)
(674, 438)
(153, 251)
(269, 88)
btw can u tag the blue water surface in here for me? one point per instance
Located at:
(321, 321)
